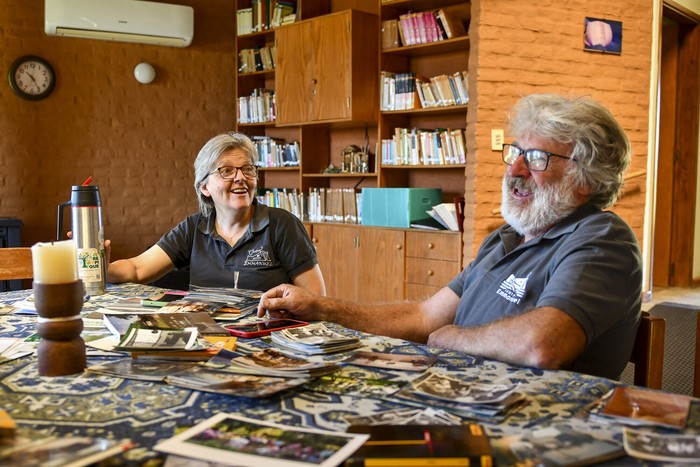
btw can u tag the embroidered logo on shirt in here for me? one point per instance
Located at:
(513, 288)
(258, 258)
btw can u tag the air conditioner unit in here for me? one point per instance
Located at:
(120, 20)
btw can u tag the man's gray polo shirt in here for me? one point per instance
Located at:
(588, 266)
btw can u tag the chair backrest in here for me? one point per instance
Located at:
(16, 263)
(648, 352)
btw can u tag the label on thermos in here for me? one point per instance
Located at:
(90, 268)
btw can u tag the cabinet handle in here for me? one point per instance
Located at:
(430, 272)
(314, 81)
(314, 240)
(399, 246)
(431, 246)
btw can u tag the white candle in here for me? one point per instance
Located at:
(55, 262)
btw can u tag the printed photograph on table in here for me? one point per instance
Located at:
(662, 447)
(639, 406)
(602, 35)
(391, 361)
(247, 442)
(443, 387)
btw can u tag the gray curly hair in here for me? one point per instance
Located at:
(600, 147)
(205, 163)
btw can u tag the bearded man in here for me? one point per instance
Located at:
(557, 287)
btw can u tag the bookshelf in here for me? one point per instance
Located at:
(327, 90)
(429, 59)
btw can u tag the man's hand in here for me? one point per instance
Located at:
(288, 301)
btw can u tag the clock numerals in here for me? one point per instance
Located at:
(31, 78)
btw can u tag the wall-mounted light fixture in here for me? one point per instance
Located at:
(144, 73)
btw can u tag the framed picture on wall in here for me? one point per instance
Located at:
(602, 35)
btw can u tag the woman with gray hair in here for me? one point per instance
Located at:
(233, 241)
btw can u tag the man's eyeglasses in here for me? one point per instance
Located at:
(228, 172)
(535, 159)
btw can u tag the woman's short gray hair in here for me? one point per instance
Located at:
(205, 163)
(599, 144)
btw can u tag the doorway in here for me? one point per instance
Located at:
(677, 164)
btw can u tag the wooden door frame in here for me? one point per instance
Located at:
(677, 152)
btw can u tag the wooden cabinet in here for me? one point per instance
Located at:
(432, 260)
(327, 69)
(361, 263)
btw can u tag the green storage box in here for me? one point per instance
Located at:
(397, 207)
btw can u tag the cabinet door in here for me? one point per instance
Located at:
(337, 258)
(331, 67)
(380, 264)
(293, 72)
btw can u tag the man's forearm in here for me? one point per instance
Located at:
(543, 338)
(403, 320)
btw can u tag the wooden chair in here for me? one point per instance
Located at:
(16, 263)
(648, 352)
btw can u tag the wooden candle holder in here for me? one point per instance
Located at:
(61, 349)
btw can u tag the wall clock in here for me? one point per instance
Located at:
(31, 77)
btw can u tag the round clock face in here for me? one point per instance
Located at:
(31, 77)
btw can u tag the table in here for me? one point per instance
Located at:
(147, 412)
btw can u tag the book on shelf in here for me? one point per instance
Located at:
(281, 9)
(450, 23)
(446, 214)
(390, 34)
(555, 445)
(244, 21)
(440, 445)
(236, 440)
(427, 224)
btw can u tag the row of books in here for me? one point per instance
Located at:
(291, 200)
(422, 27)
(256, 59)
(259, 107)
(424, 147)
(407, 91)
(335, 205)
(265, 14)
(276, 152)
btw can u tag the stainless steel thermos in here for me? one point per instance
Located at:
(88, 235)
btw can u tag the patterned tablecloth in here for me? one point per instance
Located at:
(146, 412)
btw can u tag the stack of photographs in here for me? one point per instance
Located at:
(269, 362)
(208, 380)
(314, 339)
(493, 402)
(658, 447)
(138, 369)
(426, 416)
(237, 302)
(557, 444)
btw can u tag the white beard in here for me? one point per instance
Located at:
(550, 204)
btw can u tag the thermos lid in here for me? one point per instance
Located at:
(85, 195)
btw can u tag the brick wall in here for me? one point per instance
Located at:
(518, 48)
(137, 141)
